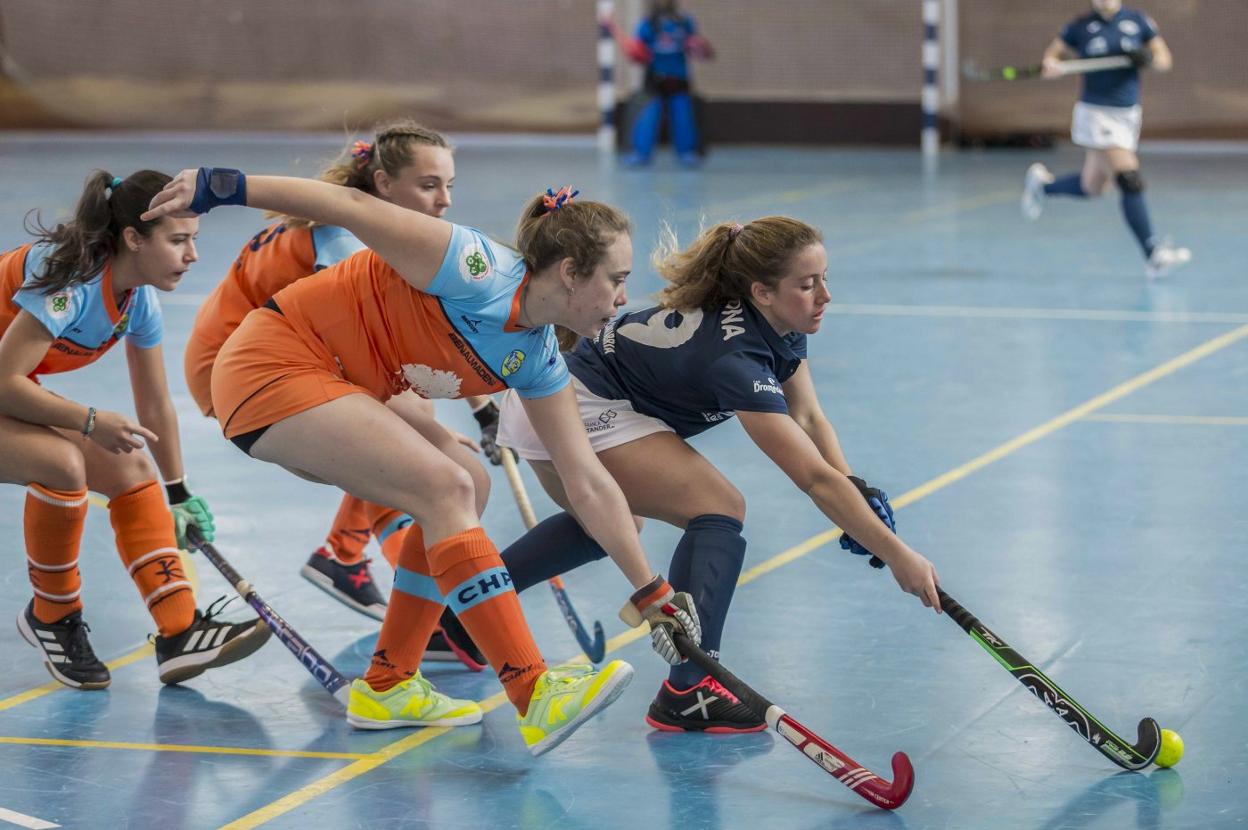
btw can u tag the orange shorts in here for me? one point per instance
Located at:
(197, 364)
(265, 372)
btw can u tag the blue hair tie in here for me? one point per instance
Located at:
(116, 182)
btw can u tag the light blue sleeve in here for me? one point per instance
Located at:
(332, 245)
(547, 372)
(147, 320)
(59, 310)
(475, 268)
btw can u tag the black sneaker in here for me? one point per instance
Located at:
(66, 650)
(208, 643)
(352, 585)
(438, 650)
(706, 707)
(455, 639)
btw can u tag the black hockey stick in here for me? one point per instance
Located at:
(317, 666)
(973, 72)
(836, 763)
(595, 647)
(1125, 755)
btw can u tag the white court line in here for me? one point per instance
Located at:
(1199, 420)
(23, 820)
(1005, 313)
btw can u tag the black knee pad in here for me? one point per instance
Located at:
(1130, 182)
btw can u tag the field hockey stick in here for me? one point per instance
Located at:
(840, 766)
(317, 666)
(971, 71)
(595, 648)
(1125, 755)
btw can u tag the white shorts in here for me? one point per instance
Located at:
(1105, 128)
(608, 424)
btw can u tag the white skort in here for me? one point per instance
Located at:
(1105, 128)
(608, 424)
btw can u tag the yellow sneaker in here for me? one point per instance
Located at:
(414, 702)
(567, 696)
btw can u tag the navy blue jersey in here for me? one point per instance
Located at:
(1091, 36)
(690, 369)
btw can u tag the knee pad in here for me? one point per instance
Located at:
(1130, 182)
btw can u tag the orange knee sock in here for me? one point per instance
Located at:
(145, 540)
(474, 580)
(414, 609)
(391, 528)
(349, 534)
(53, 524)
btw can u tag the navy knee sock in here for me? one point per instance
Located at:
(1135, 210)
(1069, 185)
(553, 547)
(707, 563)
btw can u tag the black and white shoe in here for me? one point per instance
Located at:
(208, 643)
(66, 650)
(705, 707)
(352, 585)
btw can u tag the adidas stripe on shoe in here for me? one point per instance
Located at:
(208, 643)
(66, 650)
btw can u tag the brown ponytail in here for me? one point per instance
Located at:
(579, 230)
(392, 149)
(82, 246)
(721, 264)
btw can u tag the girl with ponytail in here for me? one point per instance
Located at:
(727, 339)
(65, 300)
(412, 166)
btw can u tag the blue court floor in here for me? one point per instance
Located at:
(1065, 440)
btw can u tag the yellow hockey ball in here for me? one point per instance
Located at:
(1171, 751)
(1009, 73)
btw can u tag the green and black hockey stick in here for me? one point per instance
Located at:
(1128, 756)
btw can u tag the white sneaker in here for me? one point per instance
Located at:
(1032, 203)
(1166, 258)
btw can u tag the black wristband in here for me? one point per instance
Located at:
(177, 492)
(487, 414)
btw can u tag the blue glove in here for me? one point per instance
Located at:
(878, 500)
(188, 510)
(216, 186)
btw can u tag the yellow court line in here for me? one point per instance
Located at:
(138, 654)
(202, 750)
(386, 753)
(1202, 420)
(347, 773)
(996, 197)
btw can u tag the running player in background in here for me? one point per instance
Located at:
(445, 311)
(67, 299)
(665, 37)
(1106, 122)
(413, 167)
(729, 338)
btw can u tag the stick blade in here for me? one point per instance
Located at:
(598, 648)
(1149, 740)
(903, 780)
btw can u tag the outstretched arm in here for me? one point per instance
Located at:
(793, 451)
(412, 243)
(803, 403)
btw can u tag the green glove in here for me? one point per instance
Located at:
(188, 510)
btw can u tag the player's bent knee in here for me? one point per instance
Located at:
(62, 469)
(1130, 181)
